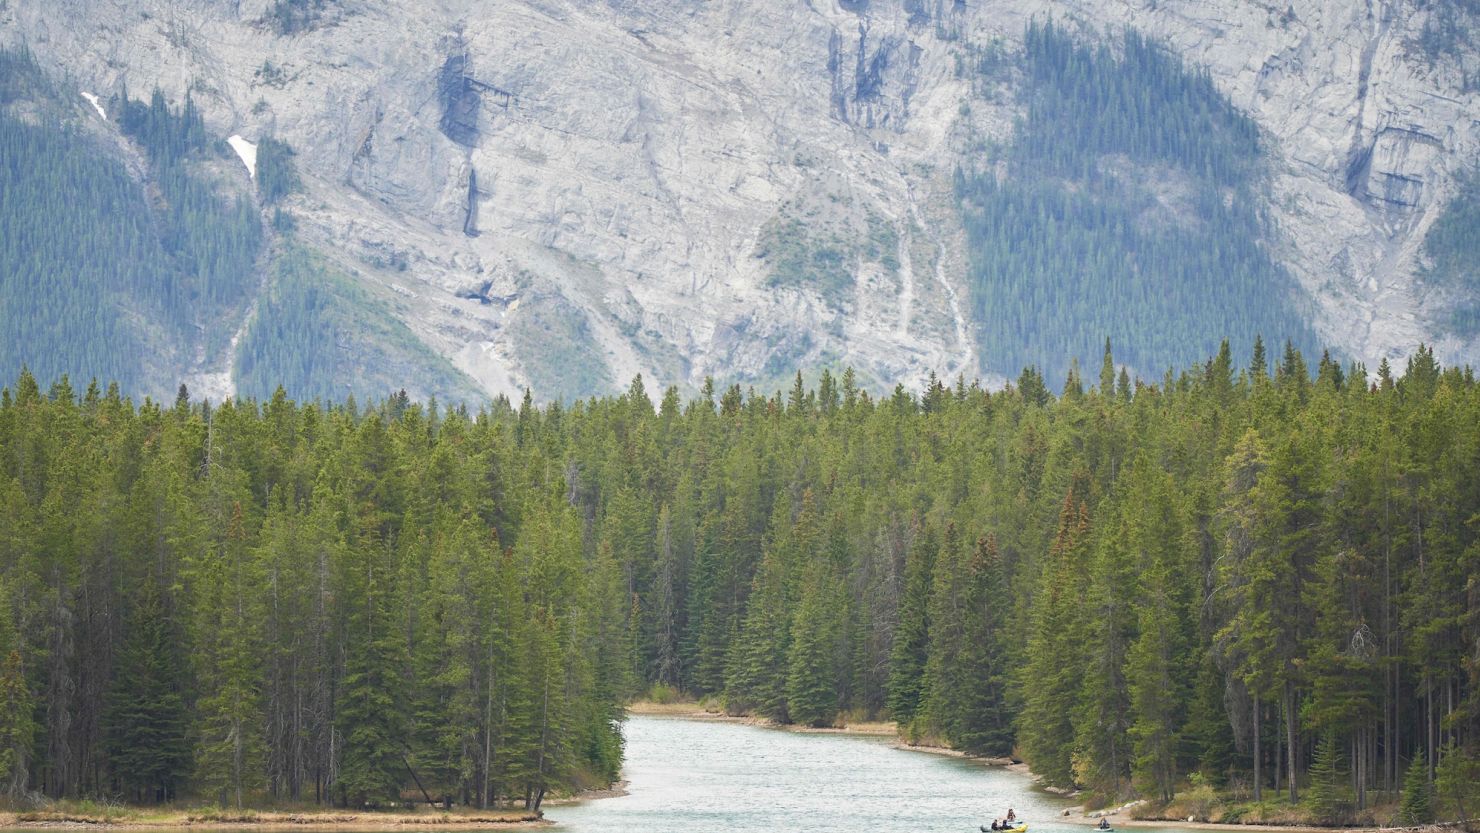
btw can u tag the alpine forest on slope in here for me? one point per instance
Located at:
(1259, 579)
(1128, 179)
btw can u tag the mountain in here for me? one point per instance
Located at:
(479, 197)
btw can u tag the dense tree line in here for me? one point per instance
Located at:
(66, 211)
(298, 602)
(291, 341)
(1128, 182)
(213, 242)
(1259, 578)
(316, 332)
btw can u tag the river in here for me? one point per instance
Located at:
(694, 776)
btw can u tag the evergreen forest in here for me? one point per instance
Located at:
(94, 267)
(1452, 247)
(129, 255)
(1257, 577)
(1129, 183)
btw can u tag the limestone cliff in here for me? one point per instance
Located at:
(565, 193)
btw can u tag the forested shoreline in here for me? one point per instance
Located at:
(1260, 580)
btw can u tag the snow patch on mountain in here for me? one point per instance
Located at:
(96, 105)
(247, 151)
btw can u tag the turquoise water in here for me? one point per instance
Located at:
(690, 776)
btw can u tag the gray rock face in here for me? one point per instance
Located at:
(618, 165)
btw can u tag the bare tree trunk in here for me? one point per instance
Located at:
(1279, 755)
(486, 781)
(1258, 787)
(1429, 734)
(1292, 741)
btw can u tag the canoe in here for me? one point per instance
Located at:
(1021, 828)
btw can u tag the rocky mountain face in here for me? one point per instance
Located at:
(562, 194)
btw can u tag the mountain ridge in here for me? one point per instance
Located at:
(537, 186)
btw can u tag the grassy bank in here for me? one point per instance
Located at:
(1204, 805)
(95, 814)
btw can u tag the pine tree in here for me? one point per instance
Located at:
(1053, 674)
(17, 724)
(668, 669)
(1457, 783)
(910, 653)
(1157, 667)
(1417, 805)
(1326, 795)
(145, 722)
(229, 756)
(984, 725)
(756, 679)
(944, 688)
(369, 711)
(1207, 730)
(812, 675)
(17, 728)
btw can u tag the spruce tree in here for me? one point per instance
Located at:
(17, 727)
(984, 725)
(229, 753)
(756, 679)
(1207, 730)
(911, 648)
(812, 673)
(369, 711)
(1102, 711)
(667, 663)
(944, 689)
(145, 723)
(1052, 677)
(1417, 805)
(1457, 783)
(1157, 669)
(1326, 795)
(1258, 581)
(17, 723)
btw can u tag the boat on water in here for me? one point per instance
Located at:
(1020, 827)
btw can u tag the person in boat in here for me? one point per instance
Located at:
(1011, 818)
(995, 825)
(1104, 822)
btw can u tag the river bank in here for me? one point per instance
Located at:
(690, 710)
(142, 819)
(1125, 816)
(687, 776)
(1125, 820)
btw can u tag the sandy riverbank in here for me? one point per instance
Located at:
(693, 711)
(616, 790)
